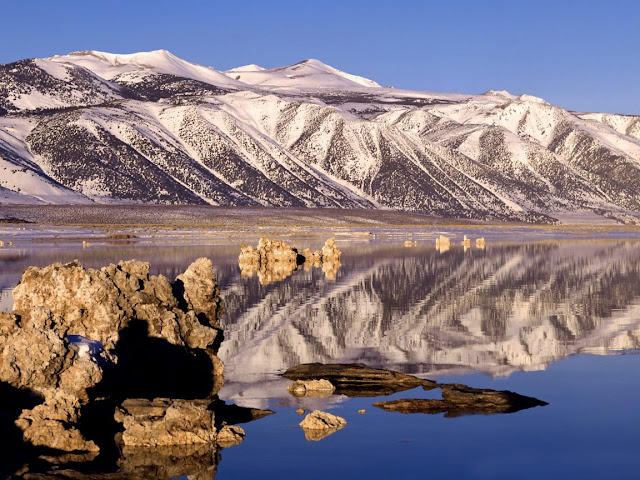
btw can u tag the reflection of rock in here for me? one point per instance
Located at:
(462, 400)
(193, 461)
(311, 388)
(356, 379)
(165, 422)
(275, 260)
(318, 425)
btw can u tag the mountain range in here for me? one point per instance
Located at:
(150, 127)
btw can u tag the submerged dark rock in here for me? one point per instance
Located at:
(356, 379)
(463, 400)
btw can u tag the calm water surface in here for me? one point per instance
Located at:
(556, 319)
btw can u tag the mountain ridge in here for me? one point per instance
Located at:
(150, 127)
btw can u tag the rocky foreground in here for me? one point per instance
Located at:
(116, 364)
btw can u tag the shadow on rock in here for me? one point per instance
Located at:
(15, 451)
(125, 370)
(150, 367)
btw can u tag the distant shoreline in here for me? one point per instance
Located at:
(206, 217)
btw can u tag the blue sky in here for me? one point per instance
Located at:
(579, 54)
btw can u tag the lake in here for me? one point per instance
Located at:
(555, 316)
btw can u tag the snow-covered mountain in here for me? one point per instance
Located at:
(150, 127)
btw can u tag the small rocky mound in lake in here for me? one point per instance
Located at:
(275, 260)
(91, 359)
(311, 388)
(460, 400)
(318, 425)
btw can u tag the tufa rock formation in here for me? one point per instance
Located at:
(356, 379)
(98, 304)
(79, 337)
(164, 422)
(311, 388)
(318, 425)
(275, 260)
(462, 400)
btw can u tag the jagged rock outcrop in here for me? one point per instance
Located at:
(98, 304)
(76, 330)
(229, 436)
(275, 260)
(164, 422)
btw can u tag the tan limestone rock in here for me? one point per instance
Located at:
(318, 425)
(165, 422)
(311, 388)
(230, 435)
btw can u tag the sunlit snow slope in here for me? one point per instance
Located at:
(150, 127)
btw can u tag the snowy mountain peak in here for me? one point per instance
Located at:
(310, 74)
(247, 68)
(500, 93)
(112, 65)
(324, 68)
(151, 127)
(510, 96)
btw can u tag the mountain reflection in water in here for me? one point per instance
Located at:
(498, 310)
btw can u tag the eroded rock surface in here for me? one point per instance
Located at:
(275, 260)
(76, 333)
(311, 388)
(229, 436)
(358, 380)
(165, 422)
(97, 304)
(318, 425)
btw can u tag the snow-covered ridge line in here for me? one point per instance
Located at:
(152, 127)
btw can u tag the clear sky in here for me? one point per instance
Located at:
(579, 54)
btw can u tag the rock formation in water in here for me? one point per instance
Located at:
(132, 346)
(166, 422)
(463, 400)
(275, 260)
(311, 388)
(356, 379)
(318, 425)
